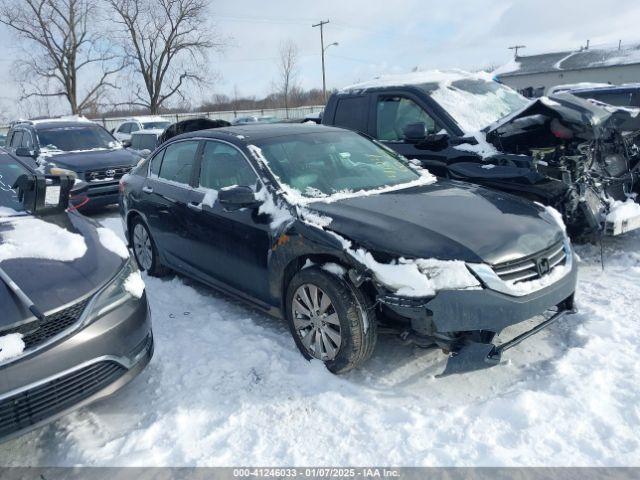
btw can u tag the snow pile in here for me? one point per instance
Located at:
(227, 386)
(555, 215)
(620, 211)
(510, 67)
(112, 242)
(7, 212)
(34, 238)
(279, 213)
(334, 268)
(11, 346)
(530, 286)
(210, 197)
(134, 284)
(482, 147)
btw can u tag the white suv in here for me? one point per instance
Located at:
(123, 131)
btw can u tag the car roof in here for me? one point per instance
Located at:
(148, 131)
(44, 124)
(609, 88)
(260, 131)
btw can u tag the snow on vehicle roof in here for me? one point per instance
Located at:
(149, 131)
(62, 119)
(416, 78)
(148, 118)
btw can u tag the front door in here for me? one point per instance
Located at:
(393, 113)
(233, 245)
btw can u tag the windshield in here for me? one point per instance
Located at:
(475, 103)
(10, 170)
(161, 125)
(321, 164)
(70, 139)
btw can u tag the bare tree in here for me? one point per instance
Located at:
(166, 43)
(65, 55)
(288, 71)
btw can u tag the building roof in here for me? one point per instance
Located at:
(570, 60)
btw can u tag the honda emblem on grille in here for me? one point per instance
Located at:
(110, 173)
(543, 267)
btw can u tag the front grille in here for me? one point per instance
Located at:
(37, 332)
(38, 403)
(532, 267)
(106, 174)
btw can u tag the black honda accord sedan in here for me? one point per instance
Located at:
(74, 321)
(341, 235)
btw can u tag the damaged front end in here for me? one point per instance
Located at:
(577, 156)
(465, 322)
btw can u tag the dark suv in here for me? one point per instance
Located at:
(337, 233)
(77, 147)
(74, 322)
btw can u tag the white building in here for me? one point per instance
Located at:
(532, 75)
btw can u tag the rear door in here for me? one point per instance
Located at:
(166, 194)
(232, 245)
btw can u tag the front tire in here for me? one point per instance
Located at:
(330, 320)
(144, 250)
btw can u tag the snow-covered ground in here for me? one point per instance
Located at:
(227, 387)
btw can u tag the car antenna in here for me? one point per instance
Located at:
(26, 301)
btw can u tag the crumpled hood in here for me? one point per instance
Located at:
(51, 283)
(447, 220)
(585, 119)
(94, 159)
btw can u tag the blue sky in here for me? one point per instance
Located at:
(383, 37)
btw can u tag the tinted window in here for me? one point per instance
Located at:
(178, 161)
(143, 142)
(224, 166)
(351, 113)
(16, 140)
(81, 137)
(394, 113)
(156, 161)
(27, 141)
(10, 170)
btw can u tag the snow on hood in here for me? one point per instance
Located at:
(34, 238)
(112, 242)
(11, 346)
(134, 284)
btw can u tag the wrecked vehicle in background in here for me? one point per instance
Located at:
(565, 152)
(337, 234)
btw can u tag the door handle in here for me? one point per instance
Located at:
(147, 189)
(195, 206)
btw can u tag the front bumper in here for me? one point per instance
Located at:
(101, 194)
(89, 364)
(485, 312)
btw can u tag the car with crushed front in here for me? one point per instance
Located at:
(75, 325)
(78, 147)
(341, 235)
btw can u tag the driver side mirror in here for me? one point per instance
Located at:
(44, 194)
(126, 143)
(238, 196)
(414, 132)
(25, 152)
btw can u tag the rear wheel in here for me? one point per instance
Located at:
(145, 251)
(330, 320)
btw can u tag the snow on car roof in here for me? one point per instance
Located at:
(62, 119)
(148, 118)
(149, 131)
(416, 78)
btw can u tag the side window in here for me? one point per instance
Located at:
(125, 128)
(351, 113)
(394, 113)
(16, 140)
(156, 161)
(224, 166)
(134, 127)
(27, 141)
(178, 161)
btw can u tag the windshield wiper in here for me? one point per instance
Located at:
(26, 301)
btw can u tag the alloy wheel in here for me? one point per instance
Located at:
(142, 247)
(316, 322)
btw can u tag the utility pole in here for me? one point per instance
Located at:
(516, 48)
(321, 24)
